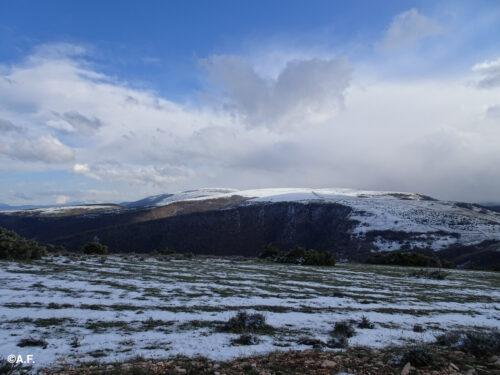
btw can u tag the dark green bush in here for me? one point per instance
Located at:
(478, 343)
(306, 257)
(15, 247)
(418, 328)
(7, 368)
(166, 251)
(365, 323)
(451, 338)
(54, 249)
(94, 248)
(419, 356)
(314, 258)
(447, 263)
(410, 259)
(297, 255)
(244, 322)
(270, 251)
(343, 328)
(30, 341)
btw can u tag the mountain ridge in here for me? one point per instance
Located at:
(351, 223)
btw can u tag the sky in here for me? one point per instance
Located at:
(111, 101)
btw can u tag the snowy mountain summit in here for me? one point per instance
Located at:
(432, 223)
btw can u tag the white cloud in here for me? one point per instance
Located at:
(310, 125)
(136, 175)
(306, 92)
(84, 169)
(490, 70)
(408, 28)
(43, 149)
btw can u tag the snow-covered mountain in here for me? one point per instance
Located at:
(434, 223)
(228, 221)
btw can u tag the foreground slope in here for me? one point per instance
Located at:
(88, 310)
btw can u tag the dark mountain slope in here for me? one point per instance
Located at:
(242, 230)
(48, 228)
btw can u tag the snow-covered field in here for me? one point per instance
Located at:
(88, 310)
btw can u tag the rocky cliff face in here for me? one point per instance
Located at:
(241, 230)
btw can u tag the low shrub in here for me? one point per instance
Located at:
(298, 255)
(343, 328)
(188, 255)
(94, 248)
(54, 249)
(166, 251)
(365, 323)
(419, 356)
(482, 344)
(30, 341)
(418, 328)
(245, 339)
(337, 342)
(410, 259)
(7, 368)
(244, 322)
(315, 258)
(15, 247)
(478, 343)
(270, 252)
(445, 263)
(451, 339)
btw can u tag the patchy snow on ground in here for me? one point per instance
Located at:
(116, 308)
